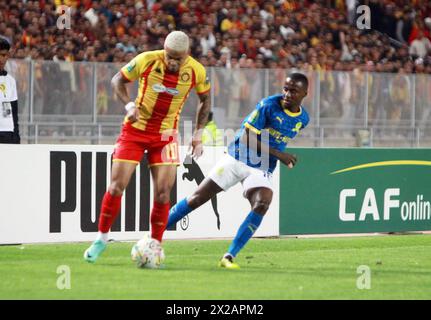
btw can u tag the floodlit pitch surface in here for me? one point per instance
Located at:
(379, 267)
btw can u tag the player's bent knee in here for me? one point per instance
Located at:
(162, 195)
(116, 188)
(261, 207)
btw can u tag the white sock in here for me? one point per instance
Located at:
(102, 236)
(228, 255)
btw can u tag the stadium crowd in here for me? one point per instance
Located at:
(317, 35)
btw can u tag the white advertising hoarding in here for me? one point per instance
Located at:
(51, 193)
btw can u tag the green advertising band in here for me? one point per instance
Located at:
(334, 191)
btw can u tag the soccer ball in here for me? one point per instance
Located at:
(148, 253)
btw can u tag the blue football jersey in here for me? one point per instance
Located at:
(275, 127)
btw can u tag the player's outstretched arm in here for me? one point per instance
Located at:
(254, 143)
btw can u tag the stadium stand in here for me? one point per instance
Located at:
(285, 33)
(366, 85)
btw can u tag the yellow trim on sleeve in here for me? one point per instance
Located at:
(203, 92)
(249, 126)
(124, 75)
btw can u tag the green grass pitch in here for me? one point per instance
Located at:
(289, 268)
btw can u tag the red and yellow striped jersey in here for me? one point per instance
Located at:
(162, 94)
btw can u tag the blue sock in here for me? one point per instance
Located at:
(245, 232)
(178, 211)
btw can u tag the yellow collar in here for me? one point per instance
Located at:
(293, 114)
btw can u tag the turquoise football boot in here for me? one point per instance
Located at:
(95, 250)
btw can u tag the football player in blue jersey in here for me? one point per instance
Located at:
(251, 159)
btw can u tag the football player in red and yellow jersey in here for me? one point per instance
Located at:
(166, 78)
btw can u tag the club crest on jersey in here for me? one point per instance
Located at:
(160, 88)
(279, 119)
(185, 77)
(297, 127)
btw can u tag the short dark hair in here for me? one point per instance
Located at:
(296, 76)
(4, 44)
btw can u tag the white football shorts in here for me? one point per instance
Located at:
(229, 171)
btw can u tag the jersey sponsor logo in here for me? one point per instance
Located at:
(172, 91)
(279, 119)
(278, 136)
(160, 88)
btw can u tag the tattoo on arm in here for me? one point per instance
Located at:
(203, 111)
